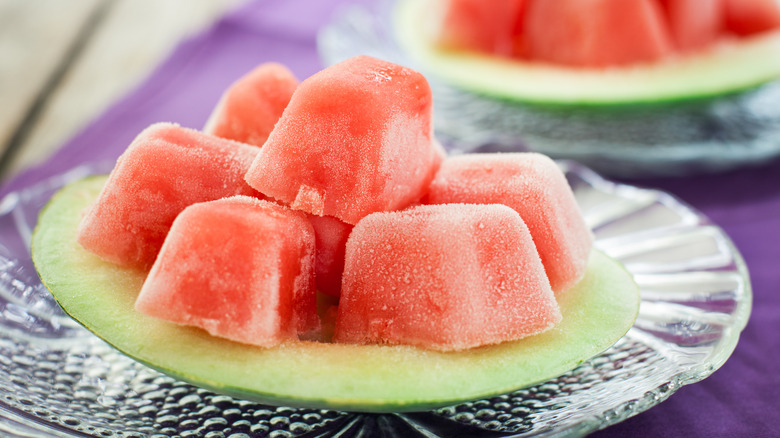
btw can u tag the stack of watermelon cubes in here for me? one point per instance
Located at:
(599, 33)
(336, 186)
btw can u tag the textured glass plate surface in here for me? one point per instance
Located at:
(56, 378)
(697, 136)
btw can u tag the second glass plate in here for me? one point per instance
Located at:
(664, 139)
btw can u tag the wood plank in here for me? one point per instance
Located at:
(113, 63)
(35, 37)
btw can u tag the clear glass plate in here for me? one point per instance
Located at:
(57, 379)
(672, 139)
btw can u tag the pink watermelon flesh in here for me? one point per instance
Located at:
(599, 33)
(534, 186)
(482, 26)
(249, 109)
(331, 236)
(694, 24)
(355, 139)
(444, 277)
(266, 299)
(748, 17)
(165, 169)
(595, 33)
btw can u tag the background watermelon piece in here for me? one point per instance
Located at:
(595, 33)
(534, 186)
(748, 17)
(250, 107)
(356, 138)
(240, 268)
(165, 169)
(694, 24)
(444, 277)
(481, 26)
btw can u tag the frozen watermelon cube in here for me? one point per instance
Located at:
(240, 268)
(534, 186)
(481, 26)
(748, 17)
(331, 236)
(249, 109)
(165, 169)
(444, 277)
(694, 24)
(356, 138)
(596, 33)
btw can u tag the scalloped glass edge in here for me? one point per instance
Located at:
(694, 136)
(696, 299)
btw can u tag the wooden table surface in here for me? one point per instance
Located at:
(62, 62)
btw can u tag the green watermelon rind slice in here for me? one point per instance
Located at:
(727, 68)
(374, 378)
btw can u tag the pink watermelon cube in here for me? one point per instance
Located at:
(331, 236)
(240, 268)
(534, 186)
(355, 139)
(749, 17)
(249, 109)
(165, 169)
(596, 33)
(694, 24)
(444, 277)
(481, 26)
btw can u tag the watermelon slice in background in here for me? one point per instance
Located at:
(645, 118)
(165, 169)
(250, 107)
(266, 298)
(356, 138)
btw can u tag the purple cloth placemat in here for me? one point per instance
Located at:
(739, 400)
(742, 398)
